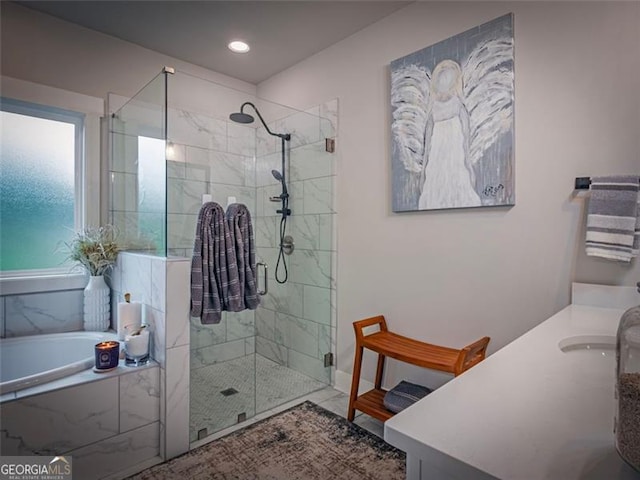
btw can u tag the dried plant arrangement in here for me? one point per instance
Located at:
(96, 249)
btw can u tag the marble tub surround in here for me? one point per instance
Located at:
(41, 313)
(91, 421)
(164, 284)
(529, 410)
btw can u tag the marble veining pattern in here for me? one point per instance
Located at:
(318, 195)
(240, 324)
(157, 324)
(197, 130)
(271, 350)
(139, 398)
(222, 352)
(297, 334)
(305, 230)
(177, 401)
(222, 192)
(241, 140)
(317, 304)
(57, 422)
(311, 161)
(265, 231)
(311, 366)
(159, 282)
(176, 169)
(40, 313)
(285, 298)
(311, 267)
(178, 303)
(266, 323)
(115, 454)
(304, 127)
(265, 143)
(206, 335)
(185, 196)
(181, 230)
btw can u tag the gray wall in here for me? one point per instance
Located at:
(451, 277)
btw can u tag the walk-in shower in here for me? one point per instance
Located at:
(252, 360)
(285, 211)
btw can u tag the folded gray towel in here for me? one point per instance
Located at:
(404, 395)
(242, 239)
(612, 221)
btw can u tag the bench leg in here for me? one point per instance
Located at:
(355, 383)
(379, 371)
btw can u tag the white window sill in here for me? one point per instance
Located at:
(42, 283)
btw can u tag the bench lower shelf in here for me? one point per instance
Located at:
(372, 403)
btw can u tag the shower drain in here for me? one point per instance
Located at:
(229, 391)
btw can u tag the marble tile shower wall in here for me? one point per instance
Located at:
(216, 157)
(211, 156)
(296, 321)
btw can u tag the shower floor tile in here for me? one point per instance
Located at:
(214, 406)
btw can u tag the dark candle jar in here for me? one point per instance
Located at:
(107, 355)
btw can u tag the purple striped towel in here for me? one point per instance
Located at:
(241, 234)
(613, 223)
(209, 276)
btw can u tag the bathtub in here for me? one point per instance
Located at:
(29, 361)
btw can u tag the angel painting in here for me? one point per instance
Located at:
(452, 127)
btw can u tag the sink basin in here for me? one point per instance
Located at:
(603, 345)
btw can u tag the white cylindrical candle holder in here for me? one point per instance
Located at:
(129, 318)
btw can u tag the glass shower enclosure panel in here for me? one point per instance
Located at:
(209, 158)
(294, 321)
(137, 173)
(174, 147)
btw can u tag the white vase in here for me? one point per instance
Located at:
(97, 305)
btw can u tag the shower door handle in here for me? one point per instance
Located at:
(266, 278)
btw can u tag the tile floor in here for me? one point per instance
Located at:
(259, 385)
(327, 397)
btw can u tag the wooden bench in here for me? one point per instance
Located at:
(388, 344)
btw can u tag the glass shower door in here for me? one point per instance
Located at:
(294, 321)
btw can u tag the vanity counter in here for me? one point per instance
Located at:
(529, 411)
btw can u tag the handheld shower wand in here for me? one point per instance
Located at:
(285, 211)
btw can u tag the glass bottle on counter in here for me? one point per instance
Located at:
(627, 420)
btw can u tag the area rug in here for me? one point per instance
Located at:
(305, 442)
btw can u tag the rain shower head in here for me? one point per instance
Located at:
(241, 117)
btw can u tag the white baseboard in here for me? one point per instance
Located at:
(343, 383)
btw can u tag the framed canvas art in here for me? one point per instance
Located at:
(452, 107)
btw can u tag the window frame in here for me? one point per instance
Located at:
(78, 120)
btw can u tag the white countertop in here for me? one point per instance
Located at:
(529, 411)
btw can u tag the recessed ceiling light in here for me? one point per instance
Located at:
(238, 46)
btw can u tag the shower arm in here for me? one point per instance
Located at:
(283, 136)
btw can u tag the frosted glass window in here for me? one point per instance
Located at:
(38, 158)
